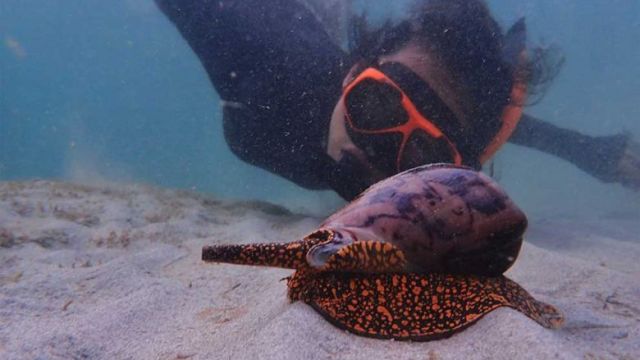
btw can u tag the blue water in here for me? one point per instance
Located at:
(95, 91)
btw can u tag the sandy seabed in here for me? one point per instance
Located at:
(114, 272)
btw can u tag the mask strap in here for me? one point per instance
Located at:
(515, 55)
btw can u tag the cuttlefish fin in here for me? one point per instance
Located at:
(515, 296)
(418, 307)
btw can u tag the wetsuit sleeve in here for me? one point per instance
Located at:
(257, 52)
(598, 156)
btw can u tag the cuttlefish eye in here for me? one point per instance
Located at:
(319, 254)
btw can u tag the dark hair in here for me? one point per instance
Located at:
(464, 35)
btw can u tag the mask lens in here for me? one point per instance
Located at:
(422, 149)
(373, 105)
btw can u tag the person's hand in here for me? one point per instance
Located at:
(628, 169)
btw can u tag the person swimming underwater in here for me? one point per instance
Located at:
(444, 85)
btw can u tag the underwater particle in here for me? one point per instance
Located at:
(15, 47)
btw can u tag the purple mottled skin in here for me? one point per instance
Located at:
(447, 219)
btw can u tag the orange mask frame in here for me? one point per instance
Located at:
(416, 121)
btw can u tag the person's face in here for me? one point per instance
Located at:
(432, 71)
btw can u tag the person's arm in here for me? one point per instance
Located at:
(278, 71)
(608, 158)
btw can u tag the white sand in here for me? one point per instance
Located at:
(115, 273)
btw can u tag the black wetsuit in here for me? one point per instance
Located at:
(280, 74)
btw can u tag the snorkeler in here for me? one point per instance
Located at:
(445, 85)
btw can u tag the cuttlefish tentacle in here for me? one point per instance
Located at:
(320, 251)
(411, 306)
(284, 255)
